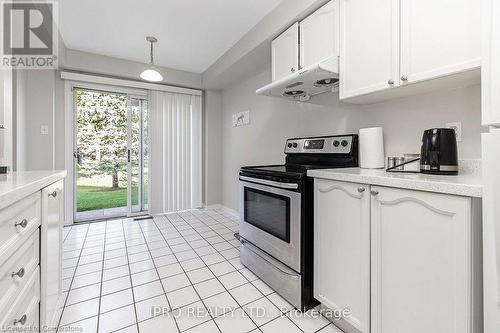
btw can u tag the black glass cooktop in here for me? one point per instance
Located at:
(288, 170)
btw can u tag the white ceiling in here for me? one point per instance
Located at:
(192, 34)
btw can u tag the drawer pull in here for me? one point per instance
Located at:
(53, 194)
(22, 224)
(21, 320)
(19, 273)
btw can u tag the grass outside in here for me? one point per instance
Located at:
(99, 197)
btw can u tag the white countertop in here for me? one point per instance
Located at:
(16, 185)
(469, 185)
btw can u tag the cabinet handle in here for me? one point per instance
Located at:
(374, 192)
(404, 78)
(390, 82)
(53, 194)
(292, 70)
(21, 320)
(361, 189)
(19, 273)
(22, 224)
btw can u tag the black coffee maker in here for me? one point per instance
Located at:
(439, 153)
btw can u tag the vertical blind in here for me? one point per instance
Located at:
(176, 152)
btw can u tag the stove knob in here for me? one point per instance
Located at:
(336, 143)
(289, 145)
(295, 145)
(344, 143)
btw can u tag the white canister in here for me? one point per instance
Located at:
(371, 148)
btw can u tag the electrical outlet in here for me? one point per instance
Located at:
(44, 129)
(458, 129)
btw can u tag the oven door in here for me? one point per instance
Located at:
(270, 217)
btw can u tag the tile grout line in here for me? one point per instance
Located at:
(216, 277)
(102, 274)
(264, 296)
(184, 271)
(72, 278)
(157, 273)
(282, 314)
(181, 226)
(130, 276)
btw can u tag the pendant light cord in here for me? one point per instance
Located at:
(152, 53)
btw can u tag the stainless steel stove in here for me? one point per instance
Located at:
(276, 214)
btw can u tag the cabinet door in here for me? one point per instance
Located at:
(285, 53)
(490, 66)
(491, 230)
(319, 35)
(369, 46)
(438, 38)
(51, 253)
(421, 262)
(342, 249)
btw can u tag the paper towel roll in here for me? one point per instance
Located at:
(371, 148)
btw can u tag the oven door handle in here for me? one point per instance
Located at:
(291, 275)
(292, 186)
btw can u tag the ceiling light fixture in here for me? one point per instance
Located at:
(151, 74)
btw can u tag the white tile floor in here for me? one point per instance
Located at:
(116, 271)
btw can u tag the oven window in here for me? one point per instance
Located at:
(268, 211)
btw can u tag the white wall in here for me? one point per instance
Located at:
(272, 120)
(20, 120)
(40, 110)
(213, 147)
(100, 64)
(6, 102)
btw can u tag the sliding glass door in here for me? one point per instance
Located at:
(138, 155)
(110, 154)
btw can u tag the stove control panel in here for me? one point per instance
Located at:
(341, 144)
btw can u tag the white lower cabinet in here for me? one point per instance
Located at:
(30, 261)
(425, 249)
(342, 249)
(51, 255)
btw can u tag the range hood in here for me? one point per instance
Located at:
(300, 86)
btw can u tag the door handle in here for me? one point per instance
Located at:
(19, 273)
(78, 157)
(292, 186)
(23, 224)
(128, 155)
(21, 320)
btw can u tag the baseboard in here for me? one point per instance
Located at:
(223, 208)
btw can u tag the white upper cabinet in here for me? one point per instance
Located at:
(490, 76)
(438, 38)
(285, 50)
(386, 44)
(369, 46)
(342, 250)
(319, 35)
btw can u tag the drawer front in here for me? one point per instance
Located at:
(17, 222)
(24, 312)
(282, 279)
(17, 270)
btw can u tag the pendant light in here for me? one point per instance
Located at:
(150, 74)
